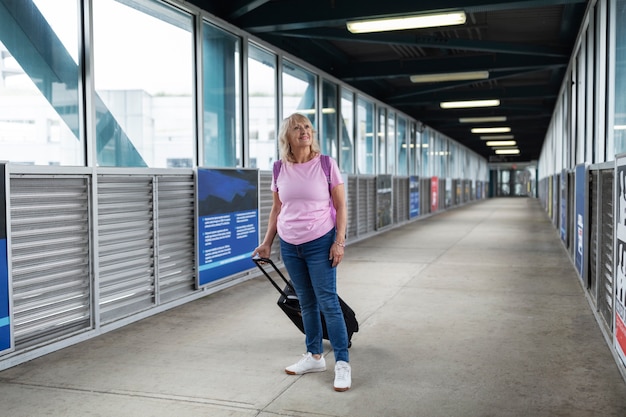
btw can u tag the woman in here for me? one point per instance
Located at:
(312, 243)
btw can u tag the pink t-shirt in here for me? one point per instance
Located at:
(305, 214)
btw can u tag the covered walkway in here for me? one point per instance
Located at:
(477, 311)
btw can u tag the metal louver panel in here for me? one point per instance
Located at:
(593, 234)
(126, 245)
(442, 194)
(367, 205)
(175, 236)
(605, 291)
(266, 197)
(352, 206)
(425, 196)
(401, 203)
(49, 257)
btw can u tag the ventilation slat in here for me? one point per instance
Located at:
(175, 236)
(125, 245)
(605, 302)
(50, 257)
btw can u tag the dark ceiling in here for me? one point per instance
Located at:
(525, 46)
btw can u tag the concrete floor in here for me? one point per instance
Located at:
(476, 311)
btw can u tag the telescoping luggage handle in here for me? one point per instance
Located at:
(260, 261)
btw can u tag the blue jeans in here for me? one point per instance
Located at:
(315, 281)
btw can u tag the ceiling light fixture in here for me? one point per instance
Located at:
(407, 22)
(482, 119)
(501, 143)
(497, 137)
(469, 104)
(449, 76)
(507, 151)
(491, 129)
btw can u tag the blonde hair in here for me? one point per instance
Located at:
(284, 149)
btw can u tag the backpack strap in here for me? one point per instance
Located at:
(326, 168)
(325, 160)
(277, 165)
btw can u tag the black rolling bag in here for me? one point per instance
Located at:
(289, 303)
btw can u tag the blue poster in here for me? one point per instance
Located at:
(5, 316)
(414, 197)
(228, 222)
(579, 212)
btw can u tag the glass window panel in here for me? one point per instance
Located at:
(382, 143)
(590, 97)
(402, 148)
(347, 129)
(39, 79)
(143, 73)
(221, 144)
(365, 136)
(433, 152)
(391, 143)
(298, 91)
(620, 78)
(426, 148)
(581, 101)
(328, 137)
(455, 171)
(444, 157)
(599, 135)
(262, 101)
(438, 156)
(415, 149)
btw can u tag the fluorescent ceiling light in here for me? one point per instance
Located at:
(491, 130)
(497, 137)
(469, 104)
(325, 110)
(450, 76)
(407, 22)
(482, 119)
(501, 143)
(507, 151)
(619, 127)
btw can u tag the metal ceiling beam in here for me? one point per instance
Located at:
(446, 86)
(289, 15)
(516, 93)
(430, 42)
(513, 113)
(395, 68)
(323, 57)
(239, 8)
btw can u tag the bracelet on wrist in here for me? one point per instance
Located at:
(343, 245)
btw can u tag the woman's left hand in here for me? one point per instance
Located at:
(336, 254)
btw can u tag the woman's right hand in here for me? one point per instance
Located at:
(262, 251)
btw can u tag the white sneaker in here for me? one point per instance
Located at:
(307, 364)
(343, 376)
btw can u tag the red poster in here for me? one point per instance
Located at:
(434, 194)
(619, 258)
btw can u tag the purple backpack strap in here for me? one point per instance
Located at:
(277, 165)
(326, 168)
(325, 159)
